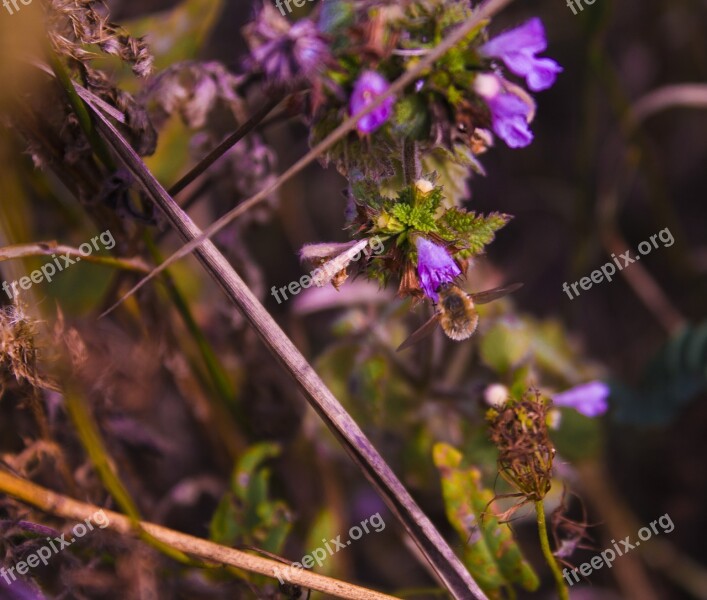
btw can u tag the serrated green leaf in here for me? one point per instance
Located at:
(471, 231)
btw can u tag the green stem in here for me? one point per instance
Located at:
(562, 591)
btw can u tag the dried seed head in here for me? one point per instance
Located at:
(525, 452)
(18, 353)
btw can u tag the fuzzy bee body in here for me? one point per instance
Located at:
(457, 315)
(455, 312)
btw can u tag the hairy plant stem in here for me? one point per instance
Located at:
(562, 591)
(410, 161)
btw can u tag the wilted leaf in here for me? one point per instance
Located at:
(491, 554)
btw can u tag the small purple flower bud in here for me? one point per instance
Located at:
(509, 113)
(434, 267)
(367, 88)
(517, 49)
(589, 399)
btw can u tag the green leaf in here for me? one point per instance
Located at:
(246, 514)
(505, 345)
(471, 231)
(415, 210)
(224, 527)
(491, 554)
(242, 477)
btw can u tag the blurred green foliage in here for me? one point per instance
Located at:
(246, 514)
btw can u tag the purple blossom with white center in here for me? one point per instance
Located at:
(589, 399)
(509, 113)
(434, 266)
(367, 88)
(517, 49)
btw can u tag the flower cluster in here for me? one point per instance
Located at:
(511, 109)
(348, 59)
(426, 241)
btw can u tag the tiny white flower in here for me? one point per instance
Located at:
(496, 395)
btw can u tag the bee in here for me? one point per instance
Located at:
(455, 312)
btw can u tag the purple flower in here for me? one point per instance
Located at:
(434, 266)
(517, 49)
(589, 399)
(510, 114)
(286, 53)
(367, 88)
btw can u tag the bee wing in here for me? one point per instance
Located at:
(421, 333)
(494, 294)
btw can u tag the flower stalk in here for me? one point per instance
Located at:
(562, 591)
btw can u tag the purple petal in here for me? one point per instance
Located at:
(517, 49)
(589, 399)
(509, 116)
(543, 75)
(434, 267)
(529, 37)
(367, 88)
